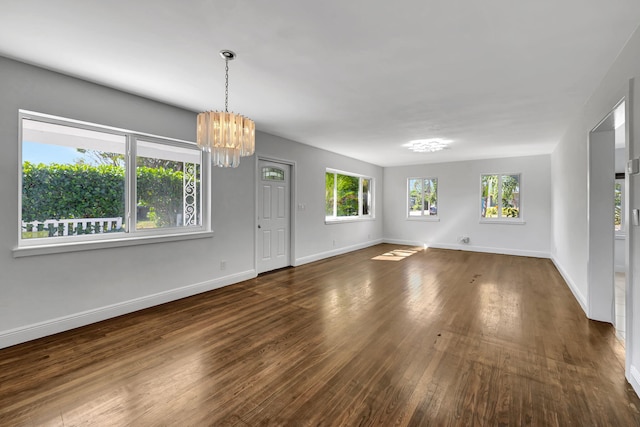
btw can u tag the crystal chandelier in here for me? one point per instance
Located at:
(228, 136)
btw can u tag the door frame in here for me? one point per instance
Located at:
(625, 93)
(292, 204)
(601, 236)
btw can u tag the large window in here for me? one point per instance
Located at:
(347, 196)
(500, 198)
(422, 196)
(82, 182)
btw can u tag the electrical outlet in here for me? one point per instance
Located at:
(223, 265)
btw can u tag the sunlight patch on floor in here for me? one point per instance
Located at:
(395, 255)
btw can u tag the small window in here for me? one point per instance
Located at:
(422, 197)
(347, 196)
(618, 218)
(273, 174)
(500, 198)
(83, 182)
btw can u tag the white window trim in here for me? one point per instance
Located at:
(424, 218)
(421, 217)
(28, 247)
(106, 244)
(334, 219)
(501, 219)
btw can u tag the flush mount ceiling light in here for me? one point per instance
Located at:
(428, 145)
(228, 136)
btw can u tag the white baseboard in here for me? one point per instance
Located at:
(65, 323)
(572, 286)
(634, 379)
(403, 242)
(334, 252)
(485, 249)
(471, 248)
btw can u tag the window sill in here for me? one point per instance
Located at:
(503, 221)
(56, 248)
(348, 219)
(424, 218)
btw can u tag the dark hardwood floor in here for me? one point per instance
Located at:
(435, 337)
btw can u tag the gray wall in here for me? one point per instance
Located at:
(313, 238)
(459, 207)
(44, 294)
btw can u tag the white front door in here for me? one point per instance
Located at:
(273, 215)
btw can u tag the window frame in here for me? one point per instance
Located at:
(333, 219)
(132, 236)
(502, 219)
(421, 217)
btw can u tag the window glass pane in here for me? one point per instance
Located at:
(329, 187)
(489, 202)
(167, 186)
(275, 174)
(415, 197)
(366, 190)
(348, 187)
(510, 196)
(617, 218)
(430, 196)
(347, 196)
(73, 181)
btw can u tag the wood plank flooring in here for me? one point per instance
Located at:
(435, 337)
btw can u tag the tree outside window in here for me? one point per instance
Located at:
(347, 196)
(500, 196)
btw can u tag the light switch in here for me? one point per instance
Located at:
(633, 166)
(635, 217)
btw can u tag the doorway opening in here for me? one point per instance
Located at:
(620, 221)
(607, 220)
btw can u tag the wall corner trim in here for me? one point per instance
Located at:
(38, 330)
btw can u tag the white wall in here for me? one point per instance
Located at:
(459, 207)
(41, 295)
(569, 192)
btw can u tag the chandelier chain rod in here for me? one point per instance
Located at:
(226, 85)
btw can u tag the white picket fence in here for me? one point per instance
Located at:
(73, 227)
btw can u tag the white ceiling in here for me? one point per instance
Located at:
(358, 77)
